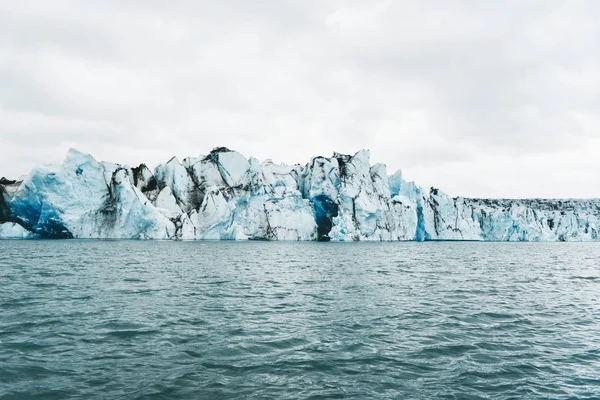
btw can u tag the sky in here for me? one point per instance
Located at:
(497, 98)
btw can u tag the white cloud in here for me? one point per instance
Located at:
(478, 98)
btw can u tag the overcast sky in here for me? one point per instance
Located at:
(478, 98)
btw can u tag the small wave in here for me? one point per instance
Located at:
(585, 278)
(134, 280)
(125, 334)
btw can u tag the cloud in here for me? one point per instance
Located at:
(491, 99)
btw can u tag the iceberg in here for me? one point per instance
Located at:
(224, 195)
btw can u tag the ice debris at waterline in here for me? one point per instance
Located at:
(225, 196)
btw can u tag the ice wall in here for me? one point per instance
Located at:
(224, 195)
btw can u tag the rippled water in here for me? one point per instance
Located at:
(135, 319)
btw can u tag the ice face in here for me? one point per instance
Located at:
(85, 199)
(224, 195)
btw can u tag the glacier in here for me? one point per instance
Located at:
(224, 195)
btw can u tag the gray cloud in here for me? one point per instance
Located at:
(495, 98)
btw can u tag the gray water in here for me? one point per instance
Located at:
(221, 320)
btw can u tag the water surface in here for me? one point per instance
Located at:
(221, 320)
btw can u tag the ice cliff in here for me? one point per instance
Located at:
(223, 195)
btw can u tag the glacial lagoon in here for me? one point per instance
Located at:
(298, 320)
